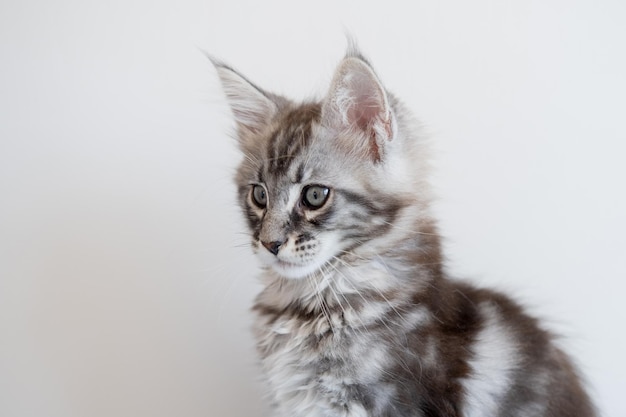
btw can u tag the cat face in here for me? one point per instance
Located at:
(325, 183)
(288, 199)
(308, 203)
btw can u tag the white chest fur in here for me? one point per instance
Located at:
(333, 361)
(314, 371)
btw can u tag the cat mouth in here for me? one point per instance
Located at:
(285, 264)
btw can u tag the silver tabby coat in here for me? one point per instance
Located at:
(357, 316)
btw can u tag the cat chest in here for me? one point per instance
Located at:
(317, 371)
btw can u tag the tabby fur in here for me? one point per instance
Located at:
(358, 316)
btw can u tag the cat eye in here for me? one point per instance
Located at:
(259, 196)
(315, 196)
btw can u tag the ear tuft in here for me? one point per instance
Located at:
(357, 102)
(252, 107)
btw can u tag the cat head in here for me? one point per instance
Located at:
(331, 182)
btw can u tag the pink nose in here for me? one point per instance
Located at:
(273, 247)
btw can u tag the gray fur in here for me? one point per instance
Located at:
(358, 317)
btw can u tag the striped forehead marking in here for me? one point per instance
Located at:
(291, 137)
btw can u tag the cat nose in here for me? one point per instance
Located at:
(273, 247)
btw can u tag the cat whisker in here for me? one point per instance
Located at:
(384, 297)
(322, 303)
(384, 323)
(411, 231)
(363, 326)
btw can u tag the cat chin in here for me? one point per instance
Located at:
(295, 271)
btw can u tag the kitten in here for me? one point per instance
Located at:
(358, 316)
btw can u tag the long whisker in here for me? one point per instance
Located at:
(322, 303)
(363, 326)
(383, 322)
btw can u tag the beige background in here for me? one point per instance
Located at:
(125, 279)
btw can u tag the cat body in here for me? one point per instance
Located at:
(357, 317)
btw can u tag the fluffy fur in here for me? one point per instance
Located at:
(357, 316)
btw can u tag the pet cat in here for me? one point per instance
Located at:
(358, 316)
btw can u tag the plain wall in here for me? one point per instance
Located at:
(125, 270)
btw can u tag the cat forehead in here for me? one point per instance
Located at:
(299, 148)
(292, 141)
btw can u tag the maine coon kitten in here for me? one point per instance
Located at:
(357, 316)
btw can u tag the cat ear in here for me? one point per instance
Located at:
(357, 103)
(252, 107)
